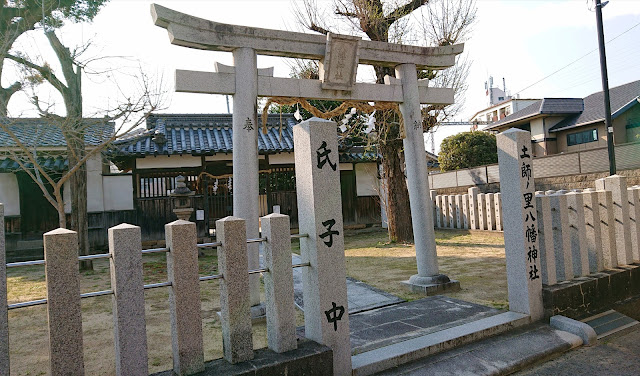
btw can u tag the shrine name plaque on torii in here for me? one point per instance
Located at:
(339, 56)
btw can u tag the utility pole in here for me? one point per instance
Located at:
(605, 88)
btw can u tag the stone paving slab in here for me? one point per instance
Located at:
(384, 326)
(360, 296)
(397, 354)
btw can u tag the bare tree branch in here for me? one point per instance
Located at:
(36, 179)
(404, 10)
(45, 71)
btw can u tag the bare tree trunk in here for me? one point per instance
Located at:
(399, 210)
(5, 95)
(62, 217)
(72, 96)
(78, 183)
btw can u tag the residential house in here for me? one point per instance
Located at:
(27, 212)
(561, 125)
(500, 110)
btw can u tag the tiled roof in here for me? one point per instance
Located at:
(548, 106)
(201, 135)
(358, 155)
(209, 134)
(619, 97)
(50, 163)
(42, 133)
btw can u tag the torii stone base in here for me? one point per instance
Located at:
(429, 286)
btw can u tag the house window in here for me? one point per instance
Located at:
(582, 137)
(633, 123)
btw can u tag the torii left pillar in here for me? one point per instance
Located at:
(245, 158)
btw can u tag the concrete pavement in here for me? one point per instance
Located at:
(617, 355)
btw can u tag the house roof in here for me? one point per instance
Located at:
(209, 134)
(620, 98)
(500, 104)
(545, 106)
(56, 164)
(44, 133)
(201, 134)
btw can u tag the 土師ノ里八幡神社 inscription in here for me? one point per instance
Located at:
(531, 232)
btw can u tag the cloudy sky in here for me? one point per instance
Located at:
(520, 41)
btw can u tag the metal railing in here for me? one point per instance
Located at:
(94, 294)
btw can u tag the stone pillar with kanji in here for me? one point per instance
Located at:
(524, 282)
(320, 216)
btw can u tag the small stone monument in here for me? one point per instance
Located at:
(182, 199)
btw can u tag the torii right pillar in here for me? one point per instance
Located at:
(428, 280)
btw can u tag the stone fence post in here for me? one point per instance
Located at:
(63, 302)
(577, 233)
(129, 324)
(561, 240)
(592, 229)
(326, 315)
(278, 283)
(184, 297)
(433, 194)
(491, 211)
(607, 229)
(446, 211)
(439, 211)
(524, 282)
(4, 318)
(498, 202)
(235, 301)
(634, 218)
(465, 211)
(458, 204)
(618, 186)
(545, 240)
(482, 208)
(473, 208)
(452, 210)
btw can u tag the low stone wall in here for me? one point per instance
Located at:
(555, 183)
(591, 294)
(309, 359)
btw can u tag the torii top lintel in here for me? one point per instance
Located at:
(189, 31)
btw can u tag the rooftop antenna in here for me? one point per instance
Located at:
(490, 91)
(504, 86)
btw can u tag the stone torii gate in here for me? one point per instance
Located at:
(339, 56)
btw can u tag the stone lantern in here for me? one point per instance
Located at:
(182, 199)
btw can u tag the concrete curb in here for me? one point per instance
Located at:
(500, 355)
(582, 330)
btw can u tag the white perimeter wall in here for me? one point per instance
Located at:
(95, 192)
(104, 193)
(366, 179)
(118, 192)
(9, 194)
(166, 161)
